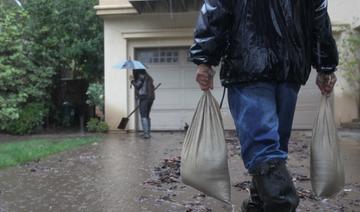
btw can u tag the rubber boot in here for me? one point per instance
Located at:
(254, 203)
(275, 187)
(146, 127)
(148, 131)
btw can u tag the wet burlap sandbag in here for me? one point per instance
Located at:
(326, 168)
(204, 162)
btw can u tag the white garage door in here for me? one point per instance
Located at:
(177, 97)
(307, 105)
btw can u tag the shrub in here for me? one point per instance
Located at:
(91, 125)
(350, 62)
(95, 125)
(30, 119)
(24, 77)
(95, 94)
(102, 126)
(351, 59)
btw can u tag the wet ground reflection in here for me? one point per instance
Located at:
(118, 174)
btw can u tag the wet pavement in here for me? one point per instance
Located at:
(128, 174)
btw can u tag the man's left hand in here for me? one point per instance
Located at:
(326, 82)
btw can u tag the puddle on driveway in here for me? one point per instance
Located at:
(114, 175)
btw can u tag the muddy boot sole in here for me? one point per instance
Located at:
(248, 206)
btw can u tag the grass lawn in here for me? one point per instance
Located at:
(18, 152)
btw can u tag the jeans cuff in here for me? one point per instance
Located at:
(262, 168)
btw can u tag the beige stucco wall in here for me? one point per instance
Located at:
(113, 2)
(116, 83)
(125, 29)
(345, 12)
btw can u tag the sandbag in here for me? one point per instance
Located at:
(326, 168)
(204, 161)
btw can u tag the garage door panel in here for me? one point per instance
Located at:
(309, 94)
(189, 79)
(305, 119)
(307, 104)
(227, 119)
(166, 120)
(191, 97)
(186, 98)
(307, 107)
(168, 98)
(218, 94)
(172, 78)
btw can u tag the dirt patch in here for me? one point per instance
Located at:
(167, 175)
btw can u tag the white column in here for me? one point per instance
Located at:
(116, 83)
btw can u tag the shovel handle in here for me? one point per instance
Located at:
(137, 107)
(158, 85)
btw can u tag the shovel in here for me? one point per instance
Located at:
(124, 121)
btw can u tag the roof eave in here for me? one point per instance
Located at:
(163, 6)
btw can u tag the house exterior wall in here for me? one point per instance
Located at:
(116, 83)
(345, 12)
(122, 35)
(124, 29)
(113, 2)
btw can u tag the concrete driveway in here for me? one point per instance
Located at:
(121, 173)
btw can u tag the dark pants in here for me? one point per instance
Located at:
(263, 115)
(145, 107)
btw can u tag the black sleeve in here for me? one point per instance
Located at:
(138, 82)
(211, 32)
(325, 53)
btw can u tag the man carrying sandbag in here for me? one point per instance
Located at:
(268, 48)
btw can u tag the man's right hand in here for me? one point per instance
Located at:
(204, 76)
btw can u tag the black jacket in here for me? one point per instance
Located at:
(144, 86)
(265, 40)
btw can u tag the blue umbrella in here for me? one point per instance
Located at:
(130, 64)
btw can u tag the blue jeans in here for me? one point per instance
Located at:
(263, 114)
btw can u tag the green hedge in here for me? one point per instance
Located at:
(95, 125)
(30, 119)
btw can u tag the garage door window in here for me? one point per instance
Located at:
(158, 56)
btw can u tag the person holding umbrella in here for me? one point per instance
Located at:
(144, 87)
(145, 92)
